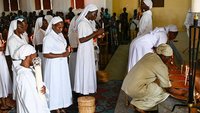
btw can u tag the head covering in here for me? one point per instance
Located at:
(13, 26)
(38, 24)
(164, 49)
(48, 18)
(72, 25)
(172, 28)
(23, 51)
(90, 7)
(148, 3)
(54, 20)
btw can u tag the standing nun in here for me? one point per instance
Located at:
(5, 80)
(38, 36)
(56, 72)
(85, 73)
(14, 41)
(145, 23)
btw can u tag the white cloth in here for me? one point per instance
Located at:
(39, 36)
(164, 49)
(53, 21)
(5, 80)
(189, 20)
(143, 45)
(13, 44)
(149, 3)
(28, 100)
(90, 7)
(25, 36)
(73, 40)
(48, 18)
(56, 72)
(24, 51)
(12, 27)
(85, 75)
(172, 28)
(145, 23)
(73, 33)
(38, 25)
(72, 67)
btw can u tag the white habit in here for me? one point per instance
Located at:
(5, 80)
(145, 23)
(85, 74)
(143, 45)
(28, 100)
(56, 72)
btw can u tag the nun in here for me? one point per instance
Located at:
(38, 36)
(14, 41)
(56, 72)
(145, 44)
(85, 74)
(5, 80)
(28, 99)
(145, 23)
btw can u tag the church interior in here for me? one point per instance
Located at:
(111, 53)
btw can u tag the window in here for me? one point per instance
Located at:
(11, 5)
(37, 5)
(42, 4)
(46, 4)
(77, 4)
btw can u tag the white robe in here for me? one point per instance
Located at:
(38, 39)
(28, 99)
(14, 43)
(189, 21)
(56, 72)
(5, 80)
(143, 45)
(73, 40)
(39, 36)
(85, 75)
(145, 23)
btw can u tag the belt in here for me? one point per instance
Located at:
(15, 59)
(38, 47)
(75, 49)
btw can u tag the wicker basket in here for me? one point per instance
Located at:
(103, 76)
(86, 104)
(86, 109)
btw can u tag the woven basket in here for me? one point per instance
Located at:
(103, 76)
(86, 109)
(86, 104)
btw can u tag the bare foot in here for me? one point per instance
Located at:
(57, 111)
(62, 111)
(5, 107)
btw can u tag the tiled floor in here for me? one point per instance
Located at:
(105, 55)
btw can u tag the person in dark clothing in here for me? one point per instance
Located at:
(124, 24)
(70, 13)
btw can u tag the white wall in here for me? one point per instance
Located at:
(1, 6)
(109, 6)
(61, 5)
(101, 3)
(27, 5)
